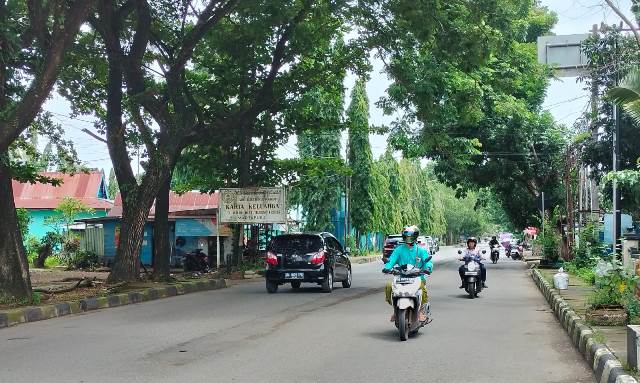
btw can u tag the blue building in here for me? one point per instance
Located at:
(192, 222)
(41, 200)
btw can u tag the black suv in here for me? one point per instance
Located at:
(389, 245)
(314, 258)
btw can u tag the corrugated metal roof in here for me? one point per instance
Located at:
(82, 186)
(188, 201)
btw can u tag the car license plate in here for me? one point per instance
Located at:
(470, 273)
(294, 275)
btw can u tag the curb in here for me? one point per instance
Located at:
(361, 260)
(33, 314)
(606, 367)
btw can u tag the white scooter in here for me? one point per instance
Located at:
(408, 300)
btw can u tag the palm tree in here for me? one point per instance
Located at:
(627, 94)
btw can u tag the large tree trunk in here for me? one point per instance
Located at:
(161, 243)
(14, 269)
(126, 267)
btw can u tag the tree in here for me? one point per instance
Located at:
(34, 38)
(474, 105)
(611, 55)
(238, 65)
(319, 188)
(112, 187)
(359, 160)
(68, 211)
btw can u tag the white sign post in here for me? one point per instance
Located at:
(253, 205)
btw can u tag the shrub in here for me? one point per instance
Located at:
(52, 261)
(617, 287)
(83, 259)
(587, 274)
(45, 249)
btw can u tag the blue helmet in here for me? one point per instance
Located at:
(410, 234)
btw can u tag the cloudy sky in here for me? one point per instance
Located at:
(566, 99)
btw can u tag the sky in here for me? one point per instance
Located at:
(566, 99)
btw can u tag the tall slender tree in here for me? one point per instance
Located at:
(360, 160)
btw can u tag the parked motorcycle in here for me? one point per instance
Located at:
(495, 253)
(196, 261)
(408, 299)
(472, 277)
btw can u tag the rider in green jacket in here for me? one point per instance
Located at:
(409, 253)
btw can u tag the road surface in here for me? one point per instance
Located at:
(243, 334)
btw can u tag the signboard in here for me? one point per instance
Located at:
(253, 205)
(563, 53)
(200, 227)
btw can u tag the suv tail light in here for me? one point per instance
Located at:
(318, 258)
(272, 258)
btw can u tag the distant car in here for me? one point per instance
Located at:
(390, 244)
(424, 243)
(307, 257)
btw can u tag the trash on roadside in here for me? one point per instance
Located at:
(561, 280)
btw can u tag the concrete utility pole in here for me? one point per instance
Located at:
(617, 232)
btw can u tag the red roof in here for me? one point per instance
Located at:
(82, 186)
(188, 201)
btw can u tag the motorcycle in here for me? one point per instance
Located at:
(196, 261)
(408, 300)
(472, 277)
(516, 252)
(495, 254)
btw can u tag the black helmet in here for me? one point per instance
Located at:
(472, 239)
(493, 237)
(410, 234)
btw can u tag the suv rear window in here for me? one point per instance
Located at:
(299, 243)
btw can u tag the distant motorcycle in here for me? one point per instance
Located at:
(516, 252)
(196, 261)
(495, 253)
(472, 277)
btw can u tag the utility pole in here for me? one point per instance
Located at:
(617, 232)
(543, 216)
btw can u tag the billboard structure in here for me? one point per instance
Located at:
(563, 53)
(253, 205)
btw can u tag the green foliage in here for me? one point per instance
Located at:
(23, 221)
(477, 101)
(319, 187)
(36, 298)
(612, 46)
(66, 213)
(588, 249)
(83, 260)
(112, 186)
(53, 262)
(586, 273)
(615, 287)
(360, 160)
(549, 239)
(464, 215)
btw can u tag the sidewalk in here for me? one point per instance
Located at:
(576, 296)
(593, 341)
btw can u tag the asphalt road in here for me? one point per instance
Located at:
(242, 334)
